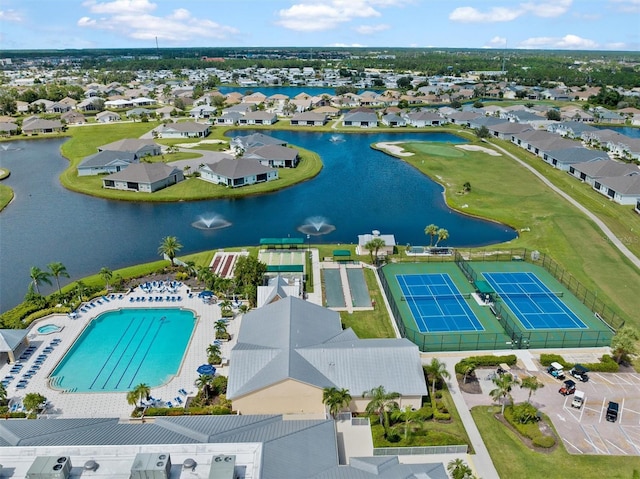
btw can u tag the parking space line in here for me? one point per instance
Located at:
(590, 441)
(620, 378)
(621, 450)
(633, 444)
(602, 408)
(621, 410)
(575, 447)
(604, 443)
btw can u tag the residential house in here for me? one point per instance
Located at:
(230, 118)
(140, 113)
(236, 173)
(310, 118)
(73, 118)
(564, 158)
(290, 350)
(424, 118)
(107, 117)
(463, 117)
(144, 177)
(393, 120)
(592, 171)
(34, 126)
(242, 143)
(139, 147)
(624, 190)
(258, 118)
(507, 129)
(105, 162)
(275, 156)
(362, 118)
(8, 128)
(188, 129)
(202, 111)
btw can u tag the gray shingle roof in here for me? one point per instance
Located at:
(128, 144)
(105, 158)
(605, 168)
(576, 155)
(271, 152)
(240, 168)
(144, 173)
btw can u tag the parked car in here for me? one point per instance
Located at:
(578, 399)
(569, 387)
(612, 411)
(556, 370)
(579, 372)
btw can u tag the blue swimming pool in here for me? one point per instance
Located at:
(121, 349)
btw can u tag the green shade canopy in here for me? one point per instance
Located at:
(341, 252)
(281, 241)
(483, 287)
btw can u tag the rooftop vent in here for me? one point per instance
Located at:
(50, 467)
(151, 466)
(223, 467)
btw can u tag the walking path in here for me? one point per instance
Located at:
(345, 288)
(610, 235)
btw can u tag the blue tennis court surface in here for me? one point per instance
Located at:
(436, 303)
(535, 305)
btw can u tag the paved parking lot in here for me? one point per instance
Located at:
(586, 430)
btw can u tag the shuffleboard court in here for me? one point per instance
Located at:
(532, 302)
(436, 304)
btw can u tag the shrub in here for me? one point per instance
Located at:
(425, 412)
(606, 365)
(544, 441)
(529, 430)
(483, 361)
(44, 312)
(547, 359)
(441, 416)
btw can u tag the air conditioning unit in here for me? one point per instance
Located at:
(151, 466)
(50, 467)
(223, 467)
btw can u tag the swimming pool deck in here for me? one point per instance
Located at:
(69, 404)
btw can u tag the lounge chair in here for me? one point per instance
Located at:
(21, 385)
(169, 404)
(183, 392)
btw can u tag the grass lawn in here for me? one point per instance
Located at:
(6, 195)
(502, 190)
(370, 324)
(513, 459)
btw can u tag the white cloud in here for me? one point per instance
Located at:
(371, 29)
(617, 46)
(119, 7)
(10, 16)
(627, 6)
(496, 42)
(473, 15)
(571, 42)
(545, 9)
(316, 15)
(179, 26)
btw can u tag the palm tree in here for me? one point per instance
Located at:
(33, 401)
(225, 307)
(459, 469)
(407, 415)
(443, 235)
(214, 354)
(436, 369)
(138, 393)
(203, 383)
(532, 383)
(3, 394)
(504, 383)
(191, 268)
(106, 274)
(221, 329)
(80, 289)
(243, 308)
(39, 276)
(466, 187)
(380, 404)
(431, 230)
(57, 270)
(374, 246)
(467, 370)
(335, 399)
(169, 246)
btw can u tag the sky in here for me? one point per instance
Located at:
(528, 24)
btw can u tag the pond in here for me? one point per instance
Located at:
(358, 190)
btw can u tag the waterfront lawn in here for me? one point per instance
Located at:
(513, 459)
(503, 190)
(6, 195)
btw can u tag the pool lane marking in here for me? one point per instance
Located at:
(111, 353)
(144, 336)
(124, 351)
(153, 340)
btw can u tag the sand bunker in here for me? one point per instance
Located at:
(479, 148)
(393, 148)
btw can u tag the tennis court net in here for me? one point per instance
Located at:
(546, 294)
(439, 297)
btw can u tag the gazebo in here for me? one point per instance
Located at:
(10, 341)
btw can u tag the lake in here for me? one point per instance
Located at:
(358, 190)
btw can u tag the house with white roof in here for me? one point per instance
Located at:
(235, 173)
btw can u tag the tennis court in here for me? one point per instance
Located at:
(532, 302)
(436, 304)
